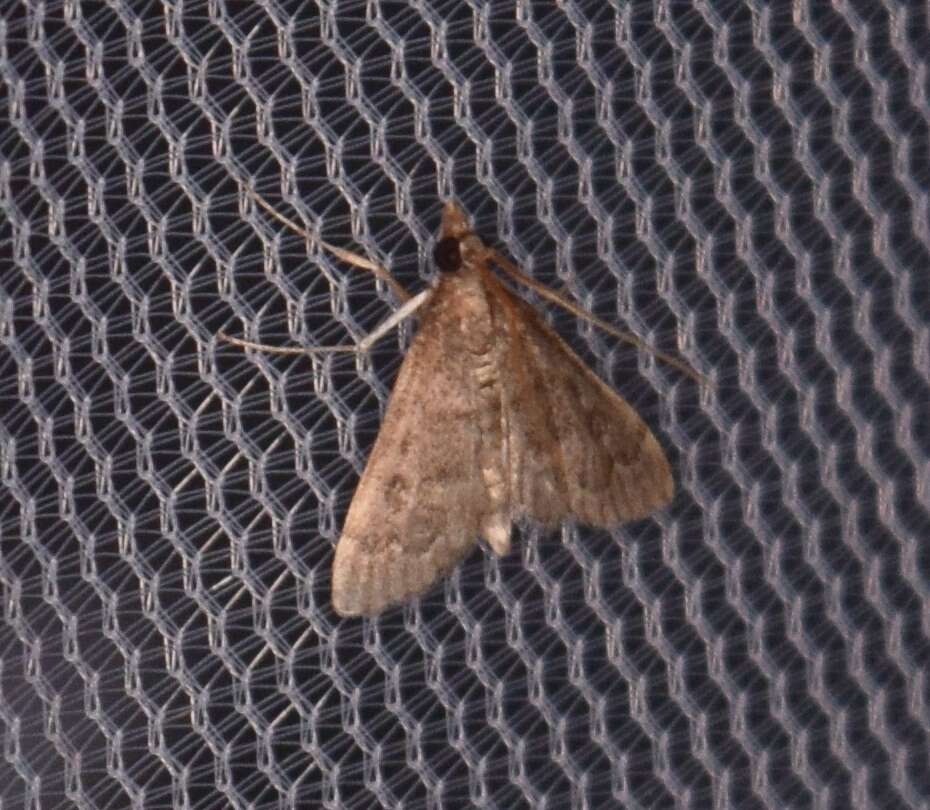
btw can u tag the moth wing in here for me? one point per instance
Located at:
(574, 447)
(421, 502)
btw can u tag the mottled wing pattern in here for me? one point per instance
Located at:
(574, 447)
(421, 502)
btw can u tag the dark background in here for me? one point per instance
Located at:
(743, 184)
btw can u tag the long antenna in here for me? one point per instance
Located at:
(346, 255)
(551, 295)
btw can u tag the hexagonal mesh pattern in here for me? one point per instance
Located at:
(744, 184)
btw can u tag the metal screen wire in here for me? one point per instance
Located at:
(743, 184)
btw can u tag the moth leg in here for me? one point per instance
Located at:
(269, 349)
(364, 345)
(401, 313)
(408, 307)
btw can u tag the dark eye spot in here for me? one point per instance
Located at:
(447, 256)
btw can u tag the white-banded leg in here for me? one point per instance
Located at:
(407, 308)
(405, 311)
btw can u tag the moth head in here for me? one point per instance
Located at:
(457, 243)
(454, 222)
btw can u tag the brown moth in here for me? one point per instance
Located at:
(492, 419)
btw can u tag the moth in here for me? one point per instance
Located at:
(493, 419)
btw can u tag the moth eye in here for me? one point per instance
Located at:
(447, 255)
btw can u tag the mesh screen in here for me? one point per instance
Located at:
(743, 184)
